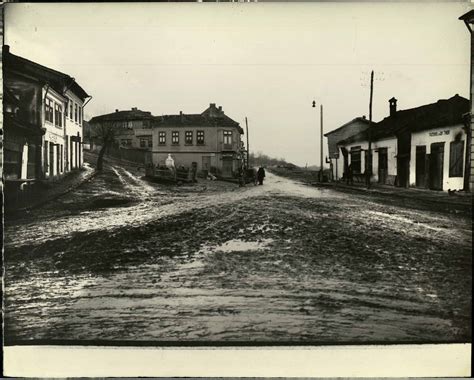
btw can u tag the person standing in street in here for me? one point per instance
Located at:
(260, 175)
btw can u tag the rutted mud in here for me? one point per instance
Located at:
(279, 262)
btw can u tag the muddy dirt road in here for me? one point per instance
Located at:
(122, 259)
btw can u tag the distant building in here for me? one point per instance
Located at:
(43, 113)
(132, 128)
(419, 147)
(211, 139)
(350, 128)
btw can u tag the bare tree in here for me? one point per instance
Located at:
(104, 135)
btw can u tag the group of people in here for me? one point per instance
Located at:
(258, 176)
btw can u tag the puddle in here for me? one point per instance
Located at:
(238, 245)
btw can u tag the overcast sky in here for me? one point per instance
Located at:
(264, 61)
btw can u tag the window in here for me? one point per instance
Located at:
(188, 137)
(200, 137)
(70, 109)
(456, 153)
(146, 142)
(227, 137)
(66, 108)
(162, 138)
(130, 125)
(58, 115)
(80, 114)
(126, 142)
(75, 112)
(355, 159)
(48, 110)
(175, 137)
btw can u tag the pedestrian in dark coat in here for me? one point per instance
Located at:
(350, 175)
(260, 175)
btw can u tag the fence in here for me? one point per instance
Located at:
(126, 154)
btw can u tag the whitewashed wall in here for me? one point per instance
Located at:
(438, 135)
(390, 144)
(73, 129)
(53, 134)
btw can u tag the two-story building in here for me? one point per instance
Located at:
(43, 111)
(210, 139)
(132, 128)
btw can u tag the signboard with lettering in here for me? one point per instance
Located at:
(439, 133)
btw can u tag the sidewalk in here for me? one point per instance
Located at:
(460, 201)
(53, 190)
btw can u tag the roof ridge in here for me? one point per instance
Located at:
(39, 64)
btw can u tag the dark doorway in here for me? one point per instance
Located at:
(51, 159)
(368, 162)
(403, 172)
(383, 165)
(58, 159)
(345, 156)
(227, 167)
(421, 166)
(403, 159)
(71, 150)
(206, 163)
(436, 166)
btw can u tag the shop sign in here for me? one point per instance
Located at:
(439, 133)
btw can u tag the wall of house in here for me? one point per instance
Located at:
(348, 130)
(55, 135)
(145, 134)
(185, 154)
(21, 151)
(74, 129)
(389, 143)
(439, 135)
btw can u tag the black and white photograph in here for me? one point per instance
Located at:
(245, 174)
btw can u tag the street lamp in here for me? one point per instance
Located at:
(321, 144)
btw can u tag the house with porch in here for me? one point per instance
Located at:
(419, 147)
(210, 139)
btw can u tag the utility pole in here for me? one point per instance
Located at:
(248, 149)
(369, 151)
(321, 147)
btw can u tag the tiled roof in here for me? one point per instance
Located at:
(197, 120)
(444, 112)
(59, 81)
(129, 115)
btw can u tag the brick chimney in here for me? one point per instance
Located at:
(134, 108)
(116, 110)
(393, 106)
(212, 110)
